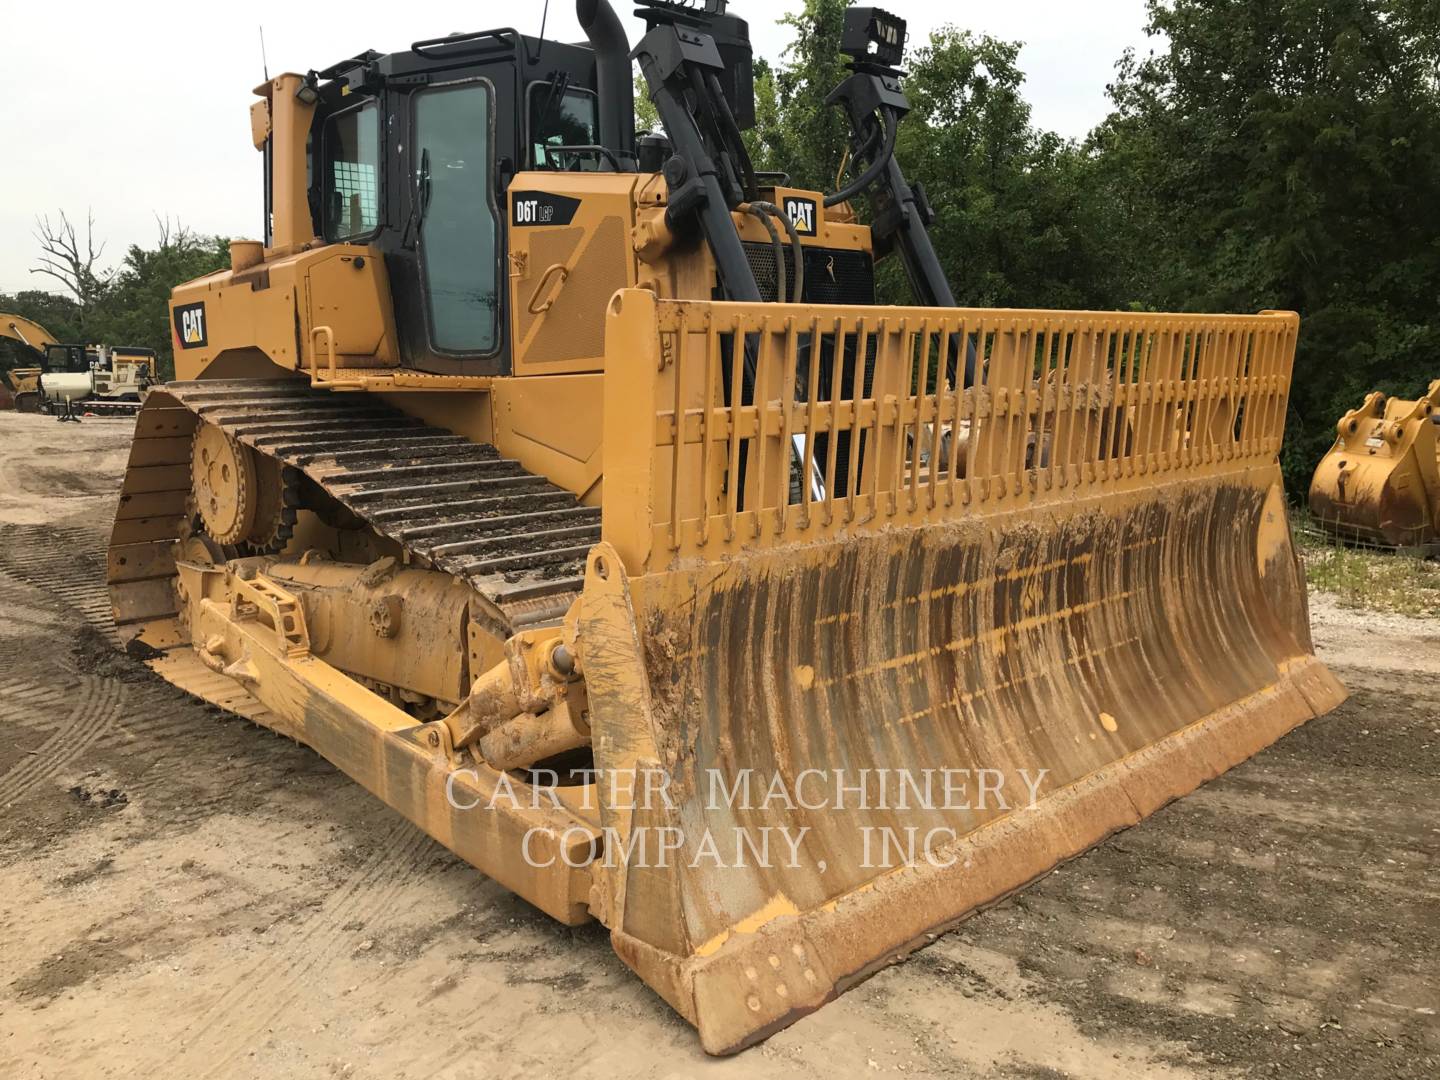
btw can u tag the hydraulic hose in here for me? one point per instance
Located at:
(775, 245)
(731, 132)
(876, 167)
(796, 247)
(707, 108)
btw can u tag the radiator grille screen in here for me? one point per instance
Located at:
(832, 275)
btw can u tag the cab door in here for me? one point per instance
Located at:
(456, 327)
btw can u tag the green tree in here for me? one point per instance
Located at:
(135, 310)
(1019, 222)
(126, 305)
(1019, 213)
(56, 313)
(1286, 153)
(796, 132)
(646, 116)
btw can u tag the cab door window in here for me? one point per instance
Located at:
(459, 228)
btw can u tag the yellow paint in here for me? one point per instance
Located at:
(1257, 701)
(26, 332)
(994, 637)
(618, 391)
(1381, 478)
(778, 906)
(957, 700)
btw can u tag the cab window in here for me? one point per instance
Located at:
(70, 359)
(351, 145)
(562, 116)
(459, 226)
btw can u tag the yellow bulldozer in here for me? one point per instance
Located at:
(1380, 483)
(571, 491)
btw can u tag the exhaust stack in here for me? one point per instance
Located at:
(612, 73)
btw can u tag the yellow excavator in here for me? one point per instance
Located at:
(25, 381)
(572, 492)
(1380, 483)
(69, 379)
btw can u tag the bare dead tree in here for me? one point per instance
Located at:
(173, 234)
(64, 259)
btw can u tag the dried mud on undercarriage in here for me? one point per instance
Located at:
(185, 894)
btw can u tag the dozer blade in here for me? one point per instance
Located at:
(894, 650)
(1380, 483)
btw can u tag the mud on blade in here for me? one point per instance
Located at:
(884, 706)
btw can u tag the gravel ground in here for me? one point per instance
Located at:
(183, 894)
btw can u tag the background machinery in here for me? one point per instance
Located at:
(25, 381)
(66, 379)
(1380, 482)
(576, 497)
(97, 380)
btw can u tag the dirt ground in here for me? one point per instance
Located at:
(183, 894)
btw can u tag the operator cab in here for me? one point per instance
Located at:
(413, 156)
(66, 359)
(411, 152)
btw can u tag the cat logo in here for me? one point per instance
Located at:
(190, 326)
(803, 214)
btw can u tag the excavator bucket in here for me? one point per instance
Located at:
(1380, 482)
(866, 651)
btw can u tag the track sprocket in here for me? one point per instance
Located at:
(224, 484)
(245, 499)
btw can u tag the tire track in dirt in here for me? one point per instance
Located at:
(30, 624)
(65, 565)
(27, 707)
(93, 707)
(24, 720)
(266, 989)
(18, 697)
(162, 712)
(66, 562)
(176, 735)
(46, 560)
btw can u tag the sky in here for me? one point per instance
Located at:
(133, 110)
